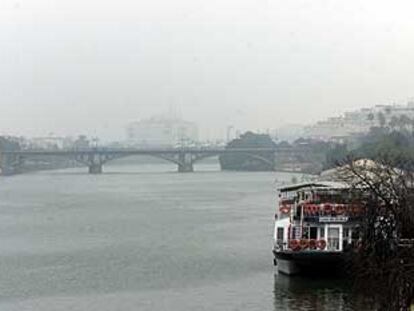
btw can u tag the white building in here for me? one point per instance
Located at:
(162, 132)
(50, 143)
(357, 122)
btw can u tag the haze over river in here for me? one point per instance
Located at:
(149, 240)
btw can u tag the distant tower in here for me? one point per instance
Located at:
(229, 129)
(174, 112)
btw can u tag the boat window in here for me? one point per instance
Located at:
(322, 233)
(298, 211)
(313, 233)
(280, 232)
(354, 235)
(296, 233)
(333, 239)
(305, 233)
(345, 233)
(279, 237)
(345, 238)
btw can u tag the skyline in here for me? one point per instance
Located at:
(91, 67)
(176, 115)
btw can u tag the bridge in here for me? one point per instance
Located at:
(11, 162)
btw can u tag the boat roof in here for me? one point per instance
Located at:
(328, 185)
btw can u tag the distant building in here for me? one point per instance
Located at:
(50, 143)
(288, 133)
(82, 142)
(357, 123)
(162, 132)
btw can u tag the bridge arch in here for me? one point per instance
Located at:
(183, 160)
(201, 156)
(260, 158)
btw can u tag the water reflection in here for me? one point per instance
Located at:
(309, 294)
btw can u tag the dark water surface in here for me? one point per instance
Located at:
(151, 240)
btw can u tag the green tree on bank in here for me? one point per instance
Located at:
(393, 141)
(308, 154)
(8, 144)
(257, 161)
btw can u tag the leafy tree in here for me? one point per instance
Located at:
(394, 142)
(370, 117)
(249, 161)
(335, 154)
(381, 119)
(8, 144)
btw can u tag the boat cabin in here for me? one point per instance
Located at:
(316, 217)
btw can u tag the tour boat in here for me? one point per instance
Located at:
(316, 225)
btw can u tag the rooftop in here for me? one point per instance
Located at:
(315, 185)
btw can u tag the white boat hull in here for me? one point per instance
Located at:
(288, 267)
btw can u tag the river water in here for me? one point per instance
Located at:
(147, 238)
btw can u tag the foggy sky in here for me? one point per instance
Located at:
(91, 66)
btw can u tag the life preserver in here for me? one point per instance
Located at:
(321, 244)
(304, 244)
(312, 244)
(284, 209)
(311, 209)
(327, 208)
(294, 245)
(339, 209)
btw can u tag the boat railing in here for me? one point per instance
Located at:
(329, 245)
(281, 245)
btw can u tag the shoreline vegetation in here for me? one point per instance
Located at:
(382, 266)
(383, 165)
(310, 162)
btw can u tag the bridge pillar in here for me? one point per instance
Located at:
(7, 170)
(9, 164)
(185, 163)
(185, 168)
(95, 168)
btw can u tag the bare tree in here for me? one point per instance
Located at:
(383, 263)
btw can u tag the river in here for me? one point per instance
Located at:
(144, 237)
